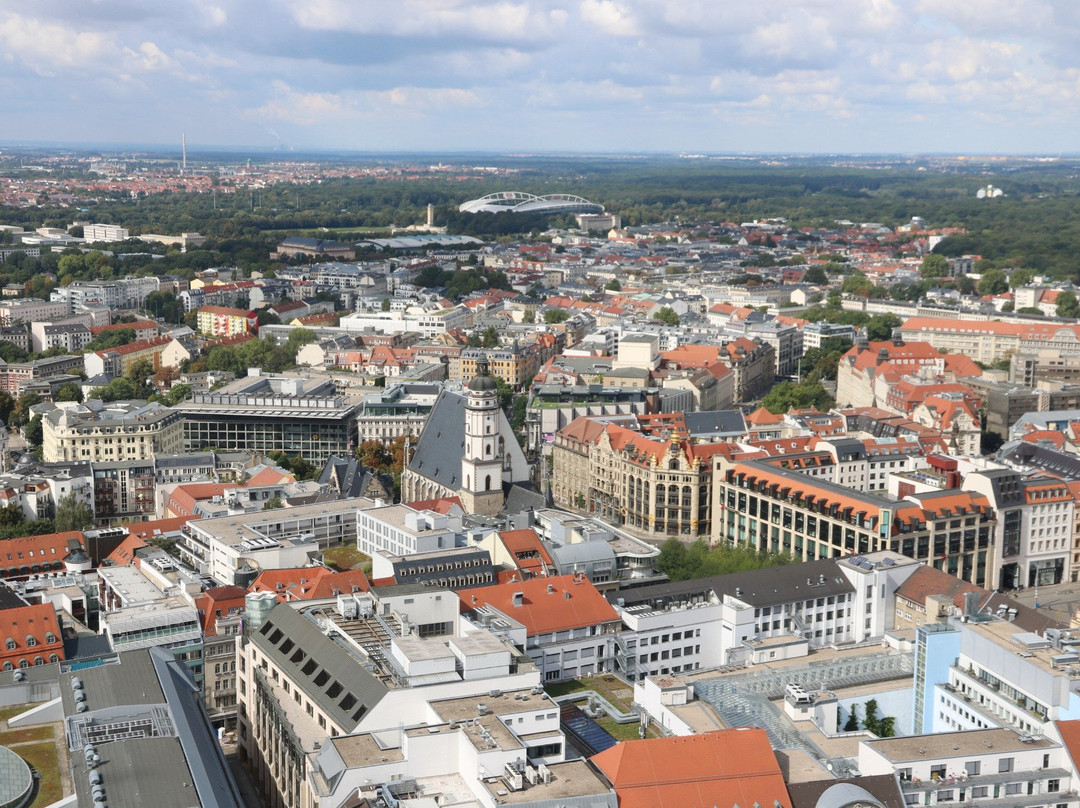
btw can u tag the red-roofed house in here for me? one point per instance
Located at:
(569, 627)
(309, 583)
(22, 557)
(29, 635)
(221, 611)
(731, 767)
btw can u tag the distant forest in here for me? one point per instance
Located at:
(1035, 226)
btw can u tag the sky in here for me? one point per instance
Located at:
(683, 76)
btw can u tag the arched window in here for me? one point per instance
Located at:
(487, 450)
(23, 663)
(487, 483)
(50, 638)
(8, 666)
(10, 644)
(31, 640)
(39, 661)
(53, 658)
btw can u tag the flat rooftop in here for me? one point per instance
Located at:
(363, 750)
(510, 702)
(571, 779)
(233, 530)
(956, 744)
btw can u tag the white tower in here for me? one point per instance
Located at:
(482, 461)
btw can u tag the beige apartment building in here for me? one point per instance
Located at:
(119, 430)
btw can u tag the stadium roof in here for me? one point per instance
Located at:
(521, 202)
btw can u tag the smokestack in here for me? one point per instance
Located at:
(430, 216)
(183, 150)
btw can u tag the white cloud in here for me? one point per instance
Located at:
(610, 17)
(47, 47)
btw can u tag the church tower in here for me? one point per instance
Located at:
(482, 461)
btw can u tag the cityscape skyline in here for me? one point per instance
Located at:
(580, 77)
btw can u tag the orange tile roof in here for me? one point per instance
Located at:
(528, 551)
(35, 621)
(124, 554)
(727, 767)
(443, 505)
(1070, 736)
(219, 598)
(30, 551)
(762, 416)
(572, 602)
(224, 311)
(309, 583)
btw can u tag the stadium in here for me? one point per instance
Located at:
(521, 202)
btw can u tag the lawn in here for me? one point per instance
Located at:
(346, 557)
(43, 758)
(8, 737)
(623, 732)
(13, 710)
(605, 684)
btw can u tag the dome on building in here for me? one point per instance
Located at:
(26, 460)
(847, 795)
(482, 381)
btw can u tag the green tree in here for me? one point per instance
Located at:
(667, 316)
(119, 389)
(273, 504)
(934, 266)
(73, 514)
(870, 722)
(1067, 305)
(613, 285)
(20, 413)
(880, 327)
(298, 338)
(1020, 277)
(385, 305)
(176, 394)
(556, 315)
(164, 304)
(886, 727)
(7, 405)
(491, 337)
(858, 284)
(787, 396)
(993, 282)
(34, 434)
(852, 724)
(301, 469)
(69, 391)
(528, 316)
(815, 275)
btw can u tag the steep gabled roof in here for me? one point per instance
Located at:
(550, 604)
(728, 767)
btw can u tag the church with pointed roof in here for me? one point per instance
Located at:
(467, 450)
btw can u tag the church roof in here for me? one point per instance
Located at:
(442, 443)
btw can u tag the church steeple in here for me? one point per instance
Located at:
(482, 460)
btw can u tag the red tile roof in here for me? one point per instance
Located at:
(547, 604)
(728, 767)
(37, 621)
(309, 583)
(46, 553)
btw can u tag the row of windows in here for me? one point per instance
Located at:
(31, 641)
(24, 663)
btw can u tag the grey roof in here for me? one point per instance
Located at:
(347, 475)
(296, 645)
(764, 587)
(523, 497)
(584, 552)
(879, 789)
(1026, 454)
(180, 764)
(722, 422)
(441, 445)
